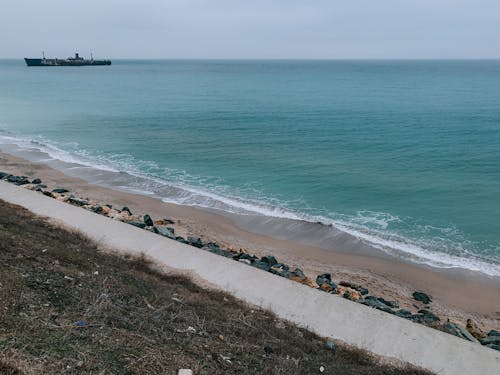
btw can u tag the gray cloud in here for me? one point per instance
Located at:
(252, 29)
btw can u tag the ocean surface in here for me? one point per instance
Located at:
(403, 155)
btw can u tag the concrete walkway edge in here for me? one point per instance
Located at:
(322, 313)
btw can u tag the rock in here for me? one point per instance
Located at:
(137, 224)
(458, 331)
(422, 297)
(78, 201)
(4, 175)
(36, 181)
(283, 272)
(195, 241)
(377, 304)
(404, 314)
(357, 287)
(97, 209)
(425, 317)
(48, 194)
(185, 371)
(391, 304)
(127, 210)
(297, 275)
(493, 346)
(493, 333)
(490, 340)
(268, 350)
(348, 293)
(262, 265)
(330, 345)
(246, 261)
(148, 221)
(60, 191)
(325, 282)
(474, 329)
(22, 181)
(180, 239)
(270, 260)
(164, 231)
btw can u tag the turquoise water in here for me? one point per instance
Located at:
(402, 154)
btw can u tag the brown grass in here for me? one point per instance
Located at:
(140, 321)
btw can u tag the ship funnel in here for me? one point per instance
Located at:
(76, 56)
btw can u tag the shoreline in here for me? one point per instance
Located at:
(456, 295)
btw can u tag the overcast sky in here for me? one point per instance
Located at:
(251, 29)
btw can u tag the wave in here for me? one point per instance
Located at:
(177, 186)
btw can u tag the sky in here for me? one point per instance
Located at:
(252, 29)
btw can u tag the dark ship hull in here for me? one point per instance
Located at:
(72, 61)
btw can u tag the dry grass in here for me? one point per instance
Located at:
(138, 321)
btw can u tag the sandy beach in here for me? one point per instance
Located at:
(457, 295)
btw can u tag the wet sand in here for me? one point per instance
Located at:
(457, 295)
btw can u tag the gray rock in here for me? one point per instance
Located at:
(36, 181)
(490, 340)
(377, 304)
(493, 333)
(164, 231)
(137, 224)
(181, 239)
(97, 209)
(270, 260)
(4, 175)
(422, 297)
(425, 317)
(246, 261)
(148, 221)
(493, 346)
(262, 265)
(391, 304)
(404, 314)
(60, 191)
(297, 272)
(195, 241)
(458, 331)
(325, 278)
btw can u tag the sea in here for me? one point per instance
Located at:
(402, 156)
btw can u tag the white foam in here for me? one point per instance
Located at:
(359, 226)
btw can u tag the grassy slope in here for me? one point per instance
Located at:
(137, 318)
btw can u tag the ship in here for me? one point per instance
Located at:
(70, 61)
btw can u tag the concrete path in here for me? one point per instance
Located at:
(322, 313)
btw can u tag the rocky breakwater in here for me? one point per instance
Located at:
(422, 309)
